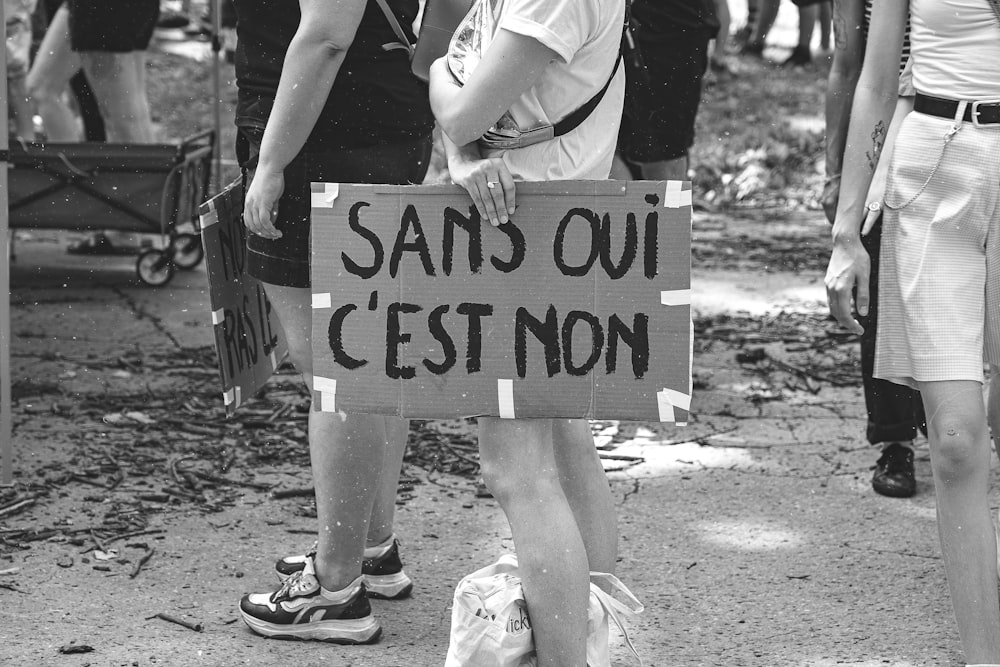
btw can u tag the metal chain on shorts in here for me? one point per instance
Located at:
(947, 140)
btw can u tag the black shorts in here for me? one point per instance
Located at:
(806, 3)
(285, 261)
(115, 26)
(662, 99)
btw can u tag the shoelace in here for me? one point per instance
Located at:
(292, 587)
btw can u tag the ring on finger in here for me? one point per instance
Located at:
(874, 206)
(491, 184)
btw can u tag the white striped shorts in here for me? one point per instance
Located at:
(939, 284)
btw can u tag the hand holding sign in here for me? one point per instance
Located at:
(261, 206)
(488, 182)
(248, 336)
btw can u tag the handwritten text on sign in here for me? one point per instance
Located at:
(579, 307)
(248, 336)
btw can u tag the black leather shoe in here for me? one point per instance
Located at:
(894, 476)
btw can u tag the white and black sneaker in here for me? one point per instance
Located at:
(302, 609)
(381, 568)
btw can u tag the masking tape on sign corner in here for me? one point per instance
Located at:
(675, 196)
(210, 218)
(676, 297)
(233, 396)
(324, 194)
(668, 399)
(505, 398)
(218, 316)
(327, 388)
(321, 300)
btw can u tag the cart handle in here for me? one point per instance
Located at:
(197, 137)
(73, 168)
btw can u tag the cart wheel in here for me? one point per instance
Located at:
(188, 251)
(154, 267)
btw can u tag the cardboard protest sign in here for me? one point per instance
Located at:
(577, 308)
(248, 336)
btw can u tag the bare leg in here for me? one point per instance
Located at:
(21, 108)
(666, 170)
(807, 23)
(766, 14)
(520, 467)
(717, 53)
(119, 85)
(620, 170)
(586, 487)
(725, 19)
(825, 24)
(383, 512)
(55, 64)
(956, 424)
(347, 454)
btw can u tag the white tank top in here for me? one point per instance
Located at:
(955, 49)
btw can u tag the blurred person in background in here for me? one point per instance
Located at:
(107, 40)
(663, 86)
(894, 412)
(17, 15)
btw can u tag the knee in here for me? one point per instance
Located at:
(517, 483)
(958, 445)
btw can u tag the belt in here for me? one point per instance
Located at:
(983, 112)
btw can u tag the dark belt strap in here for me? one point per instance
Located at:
(572, 121)
(986, 114)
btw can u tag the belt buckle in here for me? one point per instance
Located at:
(974, 113)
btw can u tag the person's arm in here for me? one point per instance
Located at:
(315, 54)
(876, 191)
(874, 101)
(511, 65)
(848, 52)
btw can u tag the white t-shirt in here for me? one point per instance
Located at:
(586, 35)
(955, 49)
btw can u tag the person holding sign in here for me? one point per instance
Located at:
(939, 279)
(548, 70)
(342, 108)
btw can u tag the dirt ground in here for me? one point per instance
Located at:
(751, 535)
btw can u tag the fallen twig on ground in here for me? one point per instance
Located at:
(303, 492)
(197, 627)
(17, 506)
(136, 533)
(139, 563)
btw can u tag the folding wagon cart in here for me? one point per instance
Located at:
(143, 188)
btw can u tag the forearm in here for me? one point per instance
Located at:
(310, 69)
(871, 116)
(453, 151)
(839, 98)
(904, 105)
(512, 64)
(444, 94)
